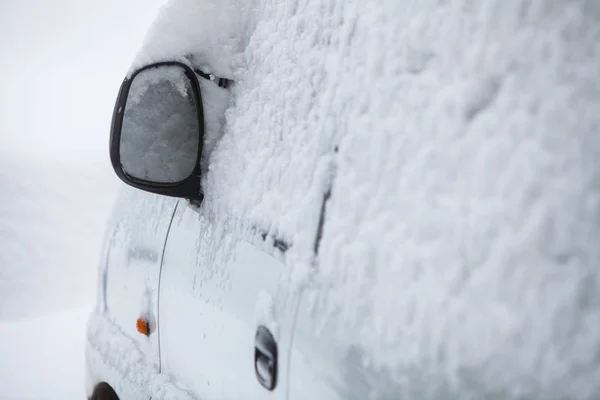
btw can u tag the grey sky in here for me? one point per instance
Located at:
(61, 64)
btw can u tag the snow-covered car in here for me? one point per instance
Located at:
(355, 200)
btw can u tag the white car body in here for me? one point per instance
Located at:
(404, 195)
(207, 316)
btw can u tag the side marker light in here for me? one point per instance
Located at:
(143, 326)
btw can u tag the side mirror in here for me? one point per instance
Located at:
(157, 131)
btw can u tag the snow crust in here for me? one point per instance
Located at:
(463, 227)
(206, 31)
(462, 233)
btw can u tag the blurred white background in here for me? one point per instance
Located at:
(61, 64)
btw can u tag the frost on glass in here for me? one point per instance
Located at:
(160, 131)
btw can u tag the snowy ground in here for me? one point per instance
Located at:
(42, 358)
(61, 64)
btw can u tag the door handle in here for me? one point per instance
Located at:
(265, 358)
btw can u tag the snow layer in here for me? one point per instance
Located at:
(207, 31)
(462, 232)
(207, 35)
(465, 217)
(42, 358)
(127, 361)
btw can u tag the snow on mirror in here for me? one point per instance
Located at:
(160, 130)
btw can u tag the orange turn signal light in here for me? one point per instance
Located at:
(143, 326)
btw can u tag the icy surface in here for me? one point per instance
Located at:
(465, 216)
(462, 232)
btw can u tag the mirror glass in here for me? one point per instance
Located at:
(160, 130)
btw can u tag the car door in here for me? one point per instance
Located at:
(226, 322)
(139, 226)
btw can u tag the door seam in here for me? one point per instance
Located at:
(162, 258)
(288, 372)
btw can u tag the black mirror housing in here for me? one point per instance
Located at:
(183, 185)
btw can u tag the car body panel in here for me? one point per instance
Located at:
(135, 243)
(128, 288)
(113, 356)
(327, 364)
(218, 284)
